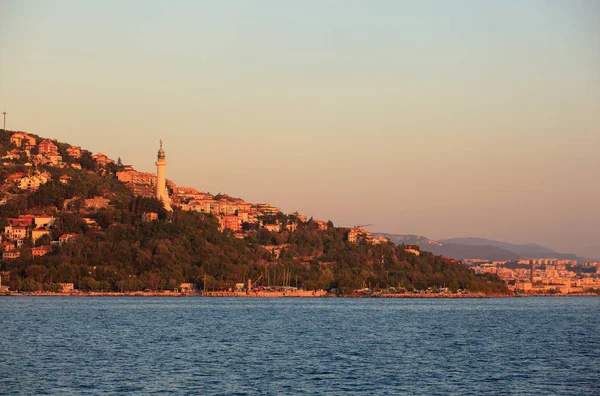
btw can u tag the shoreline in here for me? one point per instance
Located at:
(309, 294)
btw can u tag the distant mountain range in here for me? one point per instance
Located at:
(478, 248)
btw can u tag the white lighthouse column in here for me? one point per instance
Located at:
(161, 178)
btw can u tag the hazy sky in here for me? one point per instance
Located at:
(438, 118)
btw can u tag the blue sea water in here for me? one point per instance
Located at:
(87, 345)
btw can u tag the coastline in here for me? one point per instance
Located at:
(304, 294)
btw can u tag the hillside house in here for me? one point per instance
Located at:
(12, 233)
(355, 234)
(18, 138)
(66, 287)
(149, 216)
(74, 152)
(7, 246)
(66, 238)
(102, 159)
(233, 223)
(21, 221)
(97, 203)
(40, 251)
(10, 255)
(48, 148)
(38, 233)
(272, 227)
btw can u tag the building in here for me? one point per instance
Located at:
(97, 203)
(65, 238)
(74, 152)
(102, 159)
(149, 216)
(40, 251)
(38, 233)
(134, 177)
(7, 246)
(187, 287)
(65, 179)
(355, 234)
(161, 178)
(321, 225)
(48, 148)
(66, 287)
(32, 182)
(267, 209)
(202, 205)
(414, 249)
(379, 239)
(10, 255)
(245, 215)
(300, 217)
(12, 233)
(44, 221)
(21, 221)
(233, 223)
(12, 155)
(54, 159)
(272, 227)
(18, 137)
(224, 207)
(90, 222)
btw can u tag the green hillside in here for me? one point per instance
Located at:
(112, 249)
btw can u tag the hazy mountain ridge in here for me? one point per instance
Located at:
(478, 248)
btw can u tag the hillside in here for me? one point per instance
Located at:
(526, 251)
(478, 248)
(72, 217)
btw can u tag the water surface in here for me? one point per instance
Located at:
(240, 346)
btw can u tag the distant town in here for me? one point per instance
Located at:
(542, 275)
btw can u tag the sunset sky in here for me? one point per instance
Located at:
(438, 118)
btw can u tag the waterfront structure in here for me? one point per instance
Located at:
(161, 178)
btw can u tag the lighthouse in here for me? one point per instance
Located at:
(161, 178)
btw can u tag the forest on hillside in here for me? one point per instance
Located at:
(120, 252)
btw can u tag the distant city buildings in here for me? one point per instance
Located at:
(541, 275)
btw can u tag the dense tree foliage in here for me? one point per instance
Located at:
(126, 254)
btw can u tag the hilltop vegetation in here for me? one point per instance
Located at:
(114, 250)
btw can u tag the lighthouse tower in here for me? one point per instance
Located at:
(161, 178)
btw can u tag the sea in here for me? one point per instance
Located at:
(295, 346)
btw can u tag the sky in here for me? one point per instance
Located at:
(437, 118)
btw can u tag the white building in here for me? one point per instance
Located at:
(161, 178)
